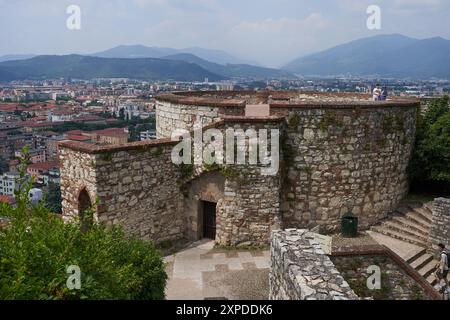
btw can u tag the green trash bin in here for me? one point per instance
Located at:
(349, 225)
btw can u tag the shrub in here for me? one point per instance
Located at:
(430, 164)
(37, 247)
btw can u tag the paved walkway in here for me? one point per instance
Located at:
(403, 249)
(203, 272)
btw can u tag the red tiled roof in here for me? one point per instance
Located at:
(10, 107)
(76, 137)
(75, 132)
(34, 124)
(110, 131)
(7, 199)
(37, 119)
(44, 166)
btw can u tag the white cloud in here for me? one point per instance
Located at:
(276, 41)
(268, 31)
(421, 3)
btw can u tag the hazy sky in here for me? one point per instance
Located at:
(271, 32)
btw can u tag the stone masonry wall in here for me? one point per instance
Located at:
(136, 188)
(300, 270)
(250, 207)
(170, 116)
(440, 228)
(336, 156)
(77, 173)
(140, 188)
(345, 158)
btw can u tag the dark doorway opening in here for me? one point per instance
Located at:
(209, 220)
(84, 204)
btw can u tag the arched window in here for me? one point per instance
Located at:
(84, 204)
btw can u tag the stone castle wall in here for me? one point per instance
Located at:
(250, 208)
(341, 158)
(139, 187)
(77, 174)
(170, 116)
(440, 228)
(136, 188)
(300, 270)
(335, 156)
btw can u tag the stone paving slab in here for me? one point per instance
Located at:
(200, 272)
(401, 248)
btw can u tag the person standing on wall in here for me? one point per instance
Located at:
(377, 93)
(384, 94)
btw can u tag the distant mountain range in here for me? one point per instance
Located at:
(10, 57)
(140, 51)
(84, 67)
(179, 67)
(233, 70)
(394, 56)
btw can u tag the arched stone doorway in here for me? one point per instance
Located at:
(203, 201)
(84, 204)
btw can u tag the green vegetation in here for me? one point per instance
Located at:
(144, 124)
(186, 171)
(107, 156)
(430, 164)
(136, 129)
(53, 198)
(392, 124)
(231, 172)
(157, 151)
(37, 247)
(382, 142)
(329, 119)
(294, 121)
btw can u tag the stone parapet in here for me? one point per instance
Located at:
(300, 270)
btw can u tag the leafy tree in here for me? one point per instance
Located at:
(37, 247)
(53, 198)
(430, 164)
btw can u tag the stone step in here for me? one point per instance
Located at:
(429, 207)
(428, 269)
(421, 261)
(414, 217)
(414, 255)
(393, 234)
(411, 225)
(399, 227)
(424, 213)
(419, 219)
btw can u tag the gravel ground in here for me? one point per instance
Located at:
(363, 239)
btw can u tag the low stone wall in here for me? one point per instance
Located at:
(300, 270)
(440, 228)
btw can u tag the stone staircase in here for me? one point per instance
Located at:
(411, 223)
